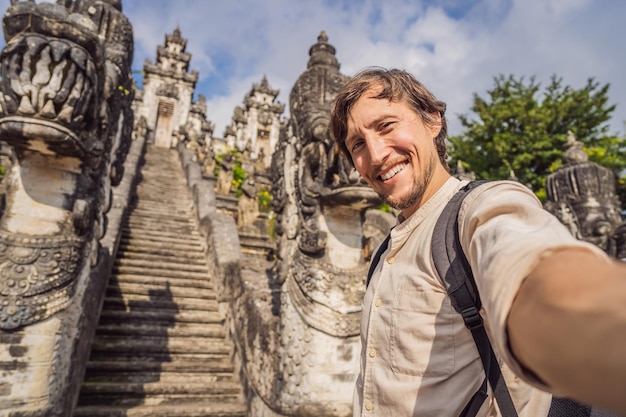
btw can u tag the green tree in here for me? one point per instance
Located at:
(520, 130)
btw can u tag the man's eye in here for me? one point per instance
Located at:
(386, 126)
(355, 145)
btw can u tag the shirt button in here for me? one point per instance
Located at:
(372, 353)
(378, 302)
(369, 406)
(391, 260)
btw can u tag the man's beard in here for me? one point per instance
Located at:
(417, 190)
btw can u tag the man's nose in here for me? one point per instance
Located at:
(377, 149)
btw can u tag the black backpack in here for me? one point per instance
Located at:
(453, 268)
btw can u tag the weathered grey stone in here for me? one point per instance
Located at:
(581, 194)
(68, 126)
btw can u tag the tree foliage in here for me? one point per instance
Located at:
(519, 130)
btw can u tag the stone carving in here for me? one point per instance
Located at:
(225, 174)
(36, 276)
(197, 135)
(326, 233)
(66, 118)
(582, 195)
(248, 206)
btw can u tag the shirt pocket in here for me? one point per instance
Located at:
(422, 333)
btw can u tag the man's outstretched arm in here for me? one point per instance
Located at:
(567, 326)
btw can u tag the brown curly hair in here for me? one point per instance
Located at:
(396, 85)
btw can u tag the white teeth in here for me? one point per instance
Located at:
(392, 172)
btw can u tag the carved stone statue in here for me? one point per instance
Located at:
(248, 206)
(326, 233)
(582, 195)
(208, 163)
(65, 114)
(225, 176)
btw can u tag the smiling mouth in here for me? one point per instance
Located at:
(393, 171)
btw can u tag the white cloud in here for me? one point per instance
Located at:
(455, 47)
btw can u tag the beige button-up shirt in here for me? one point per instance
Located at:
(418, 358)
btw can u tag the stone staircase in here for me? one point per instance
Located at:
(160, 348)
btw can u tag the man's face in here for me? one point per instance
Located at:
(394, 151)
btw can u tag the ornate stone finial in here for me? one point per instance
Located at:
(176, 38)
(264, 88)
(574, 153)
(322, 53)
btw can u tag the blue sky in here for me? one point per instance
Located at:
(455, 47)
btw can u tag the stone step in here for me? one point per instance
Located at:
(156, 230)
(208, 377)
(131, 285)
(128, 231)
(182, 242)
(161, 316)
(257, 244)
(166, 187)
(195, 409)
(162, 344)
(154, 393)
(218, 364)
(160, 357)
(157, 303)
(160, 223)
(158, 219)
(172, 252)
(157, 265)
(161, 273)
(214, 330)
(135, 250)
(153, 177)
(181, 209)
(133, 253)
(163, 200)
(153, 200)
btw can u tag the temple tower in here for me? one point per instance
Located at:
(168, 88)
(256, 125)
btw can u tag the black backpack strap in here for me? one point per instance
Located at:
(564, 407)
(457, 277)
(381, 249)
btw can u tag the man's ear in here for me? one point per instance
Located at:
(434, 124)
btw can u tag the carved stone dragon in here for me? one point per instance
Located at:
(326, 235)
(65, 124)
